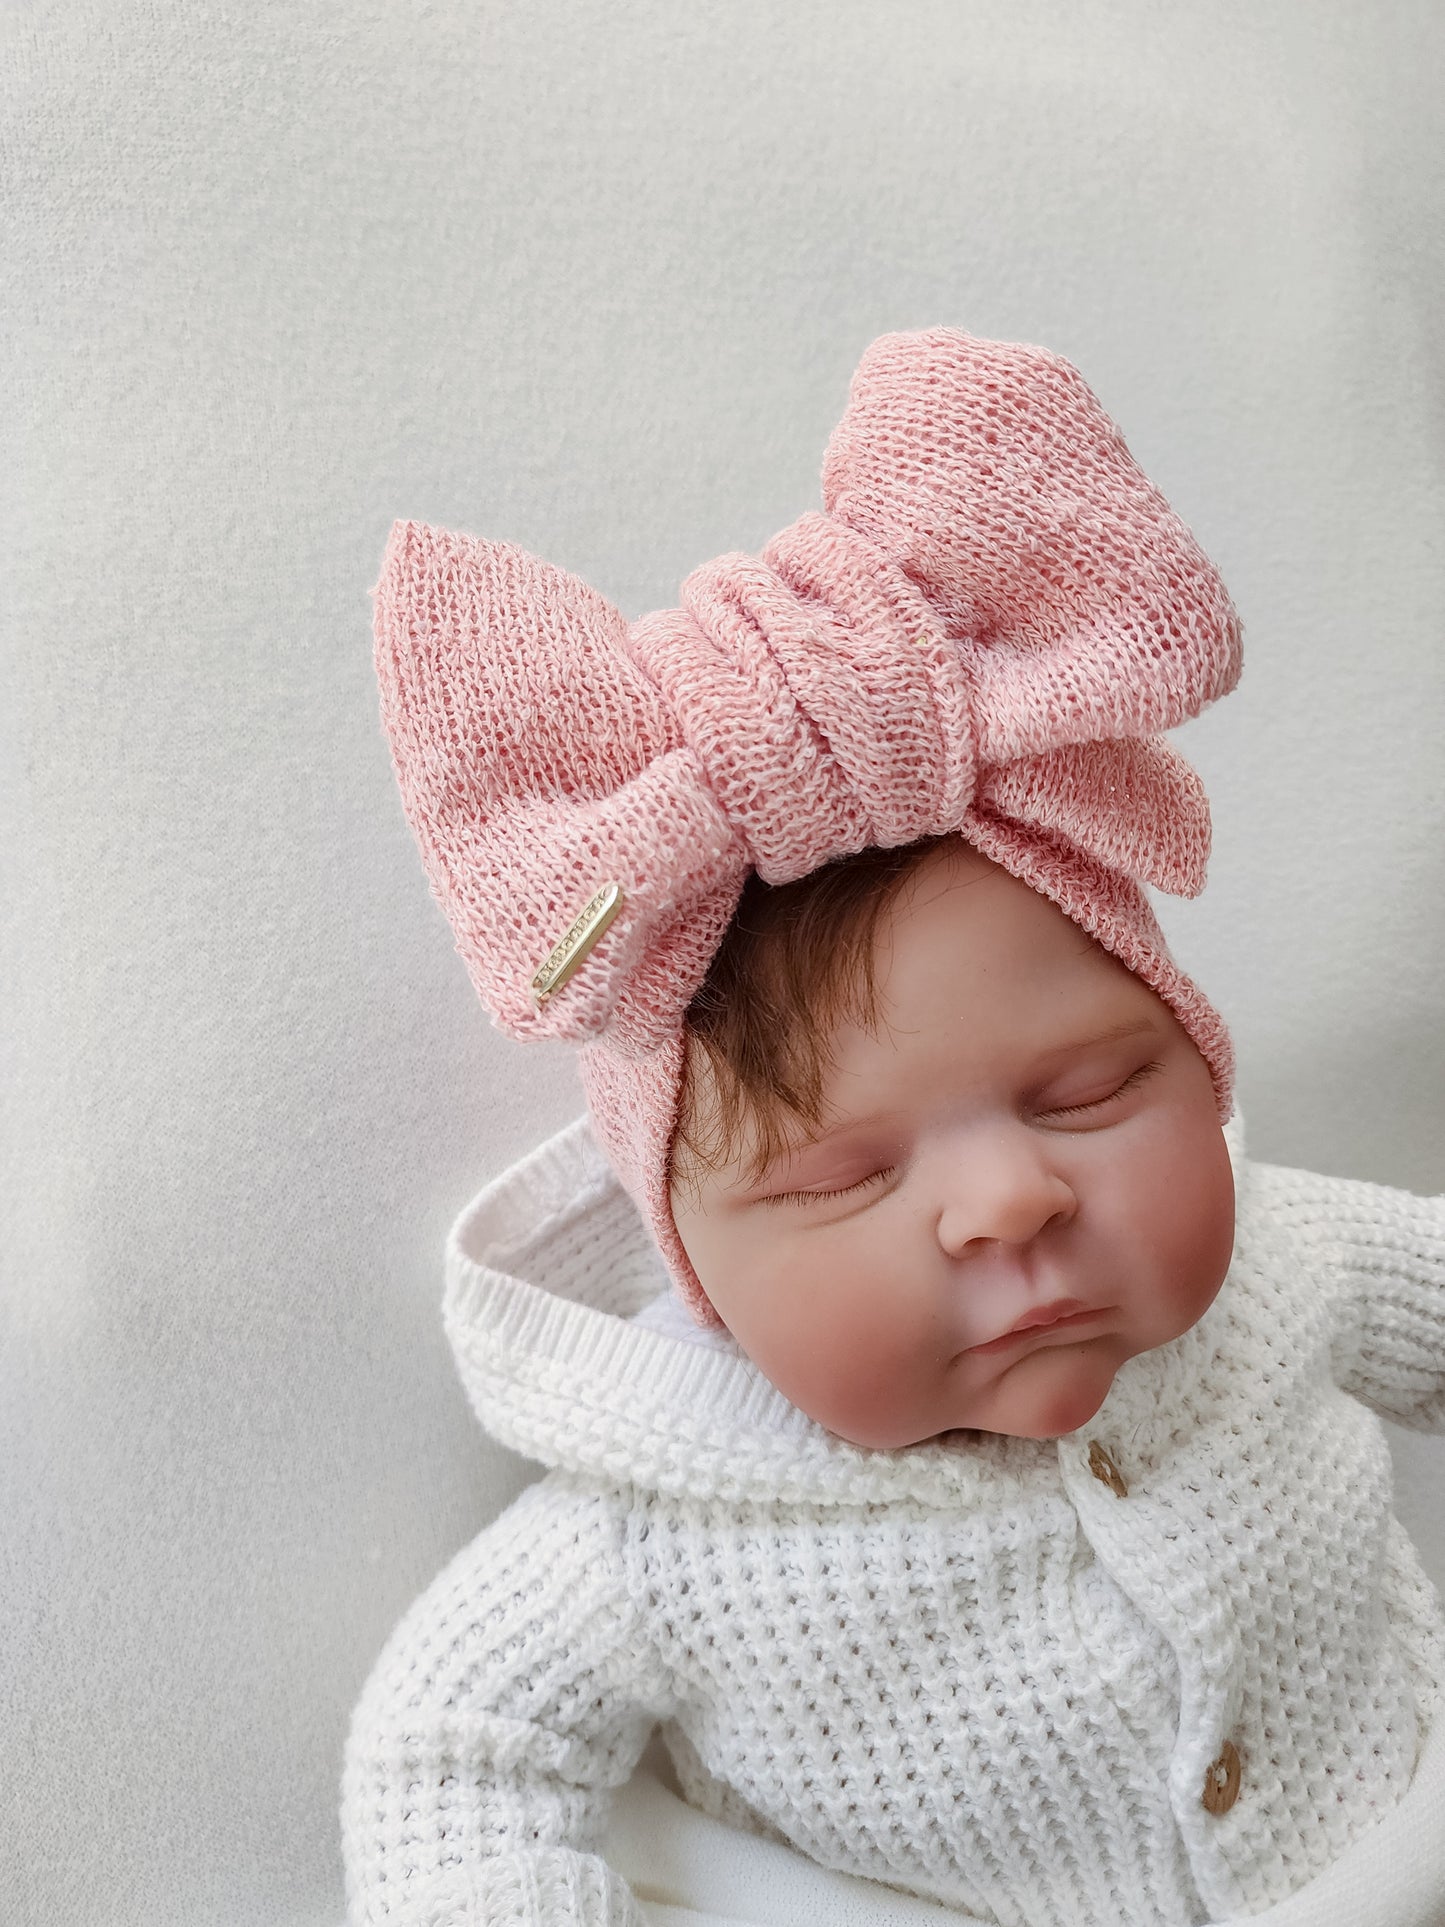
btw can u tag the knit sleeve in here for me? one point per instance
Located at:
(1388, 1251)
(507, 1706)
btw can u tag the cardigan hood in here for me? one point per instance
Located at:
(573, 1352)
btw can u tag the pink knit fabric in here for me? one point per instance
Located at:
(983, 632)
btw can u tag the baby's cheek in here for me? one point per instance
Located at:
(866, 1383)
(850, 1373)
(1198, 1237)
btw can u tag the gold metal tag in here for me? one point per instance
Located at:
(569, 952)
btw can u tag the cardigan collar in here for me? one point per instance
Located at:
(556, 1310)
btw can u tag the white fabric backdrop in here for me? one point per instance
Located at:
(592, 278)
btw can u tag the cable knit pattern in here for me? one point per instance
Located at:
(973, 1668)
(984, 632)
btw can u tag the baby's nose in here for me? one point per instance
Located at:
(1005, 1197)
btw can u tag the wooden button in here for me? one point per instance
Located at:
(1221, 1782)
(1105, 1470)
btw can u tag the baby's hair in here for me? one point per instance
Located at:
(796, 961)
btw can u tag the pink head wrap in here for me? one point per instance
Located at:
(982, 633)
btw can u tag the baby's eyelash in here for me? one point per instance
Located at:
(807, 1197)
(1059, 1110)
(1137, 1077)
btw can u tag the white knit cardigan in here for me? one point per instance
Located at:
(1000, 1673)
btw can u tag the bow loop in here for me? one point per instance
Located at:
(535, 762)
(1085, 606)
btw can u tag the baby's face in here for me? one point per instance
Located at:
(1031, 1135)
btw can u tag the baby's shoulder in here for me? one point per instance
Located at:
(1323, 1214)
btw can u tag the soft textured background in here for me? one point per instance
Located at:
(592, 278)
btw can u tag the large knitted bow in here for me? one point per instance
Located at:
(990, 622)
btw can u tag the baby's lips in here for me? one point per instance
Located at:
(1043, 1318)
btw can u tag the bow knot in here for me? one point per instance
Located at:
(816, 691)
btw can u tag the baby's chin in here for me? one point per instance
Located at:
(1045, 1396)
(1053, 1393)
(1050, 1416)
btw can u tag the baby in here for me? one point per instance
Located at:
(1046, 1193)
(994, 1503)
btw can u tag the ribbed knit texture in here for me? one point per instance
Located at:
(970, 1668)
(984, 633)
